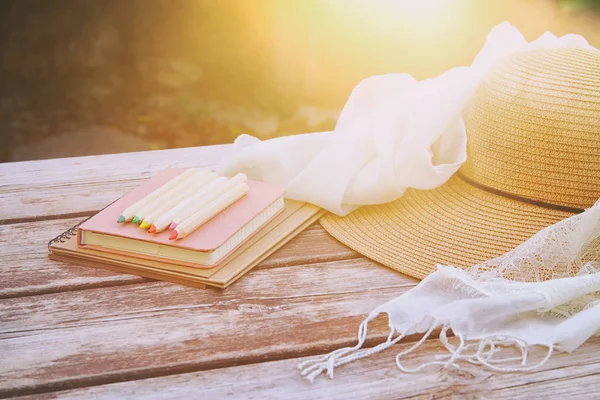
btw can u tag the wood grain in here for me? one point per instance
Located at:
(311, 246)
(96, 334)
(103, 335)
(26, 270)
(566, 376)
(46, 189)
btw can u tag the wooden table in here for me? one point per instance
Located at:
(73, 332)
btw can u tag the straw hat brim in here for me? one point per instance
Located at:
(455, 224)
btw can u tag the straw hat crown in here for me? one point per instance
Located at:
(533, 159)
(534, 128)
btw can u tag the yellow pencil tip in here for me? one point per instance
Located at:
(144, 225)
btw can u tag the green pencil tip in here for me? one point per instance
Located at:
(136, 220)
(121, 219)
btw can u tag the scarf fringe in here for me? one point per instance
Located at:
(485, 349)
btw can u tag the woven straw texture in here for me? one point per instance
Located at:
(533, 131)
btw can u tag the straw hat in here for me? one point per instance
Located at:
(533, 150)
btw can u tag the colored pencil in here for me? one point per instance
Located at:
(187, 206)
(176, 195)
(197, 219)
(129, 213)
(204, 200)
(153, 205)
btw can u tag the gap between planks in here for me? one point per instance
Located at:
(27, 271)
(42, 194)
(81, 214)
(34, 190)
(564, 376)
(133, 376)
(284, 312)
(287, 330)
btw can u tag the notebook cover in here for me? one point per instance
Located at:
(177, 262)
(208, 237)
(295, 218)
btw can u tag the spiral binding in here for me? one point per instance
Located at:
(63, 237)
(66, 235)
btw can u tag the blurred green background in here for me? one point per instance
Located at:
(84, 77)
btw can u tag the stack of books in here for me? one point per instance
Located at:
(189, 227)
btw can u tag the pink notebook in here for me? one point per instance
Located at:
(204, 248)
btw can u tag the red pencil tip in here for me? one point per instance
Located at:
(152, 229)
(174, 235)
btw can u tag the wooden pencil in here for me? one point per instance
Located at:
(143, 212)
(129, 213)
(186, 207)
(197, 219)
(176, 195)
(204, 200)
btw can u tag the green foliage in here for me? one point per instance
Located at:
(580, 5)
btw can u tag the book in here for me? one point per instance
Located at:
(205, 247)
(295, 217)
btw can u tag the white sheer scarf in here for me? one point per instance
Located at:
(394, 133)
(546, 292)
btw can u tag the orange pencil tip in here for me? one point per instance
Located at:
(152, 229)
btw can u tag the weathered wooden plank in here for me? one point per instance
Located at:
(584, 387)
(566, 376)
(27, 238)
(28, 203)
(77, 186)
(98, 168)
(311, 246)
(26, 270)
(105, 335)
(38, 275)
